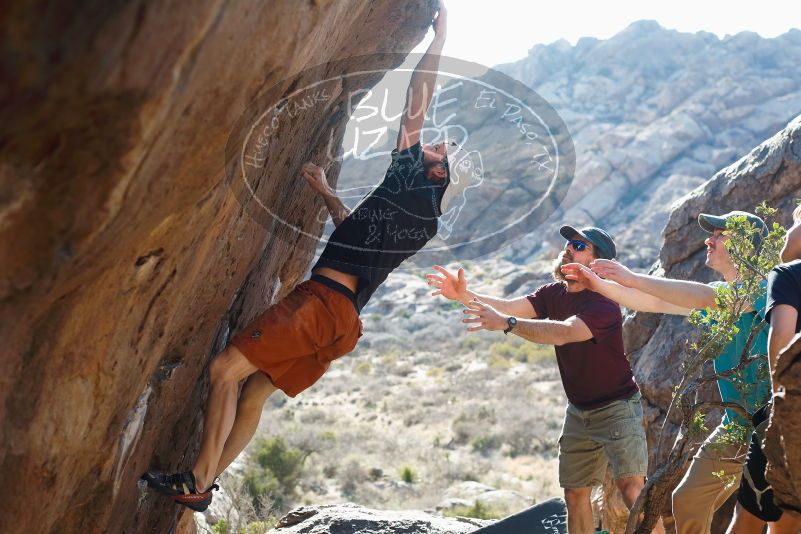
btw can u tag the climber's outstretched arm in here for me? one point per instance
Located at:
(421, 86)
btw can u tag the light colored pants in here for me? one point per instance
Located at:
(701, 492)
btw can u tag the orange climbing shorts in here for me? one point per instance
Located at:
(296, 339)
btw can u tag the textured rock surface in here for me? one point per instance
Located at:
(125, 259)
(770, 172)
(783, 439)
(346, 519)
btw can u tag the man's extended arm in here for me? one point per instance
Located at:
(631, 298)
(546, 331)
(454, 287)
(421, 86)
(682, 293)
(315, 177)
(550, 332)
(783, 319)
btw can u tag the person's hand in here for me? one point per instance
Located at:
(485, 316)
(449, 285)
(581, 274)
(440, 22)
(315, 177)
(612, 270)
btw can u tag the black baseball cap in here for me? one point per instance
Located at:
(601, 240)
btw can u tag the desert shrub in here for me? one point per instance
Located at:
(462, 431)
(486, 444)
(351, 477)
(435, 372)
(328, 435)
(413, 419)
(408, 475)
(220, 527)
(375, 473)
(258, 527)
(463, 428)
(470, 342)
(486, 414)
(496, 361)
(330, 471)
(477, 511)
(277, 471)
(313, 416)
(403, 369)
(515, 349)
(363, 368)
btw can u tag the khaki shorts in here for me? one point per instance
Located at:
(295, 340)
(591, 438)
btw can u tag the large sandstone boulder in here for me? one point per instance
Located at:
(783, 438)
(770, 172)
(125, 260)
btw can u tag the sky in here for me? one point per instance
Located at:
(490, 32)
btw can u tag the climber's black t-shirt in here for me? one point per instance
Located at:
(390, 224)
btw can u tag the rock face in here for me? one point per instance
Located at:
(770, 172)
(125, 261)
(346, 519)
(653, 113)
(783, 439)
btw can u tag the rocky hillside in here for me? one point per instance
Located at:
(125, 259)
(653, 113)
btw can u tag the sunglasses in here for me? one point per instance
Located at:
(577, 245)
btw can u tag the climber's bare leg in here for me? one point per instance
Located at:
(255, 392)
(226, 370)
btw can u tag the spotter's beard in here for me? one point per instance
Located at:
(558, 275)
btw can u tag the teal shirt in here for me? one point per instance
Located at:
(728, 359)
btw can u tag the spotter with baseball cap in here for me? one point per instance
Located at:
(710, 223)
(601, 240)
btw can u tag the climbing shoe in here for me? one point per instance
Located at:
(181, 487)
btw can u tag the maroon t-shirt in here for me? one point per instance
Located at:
(594, 372)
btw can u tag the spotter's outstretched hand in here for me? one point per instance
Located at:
(449, 285)
(484, 316)
(612, 270)
(581, 274)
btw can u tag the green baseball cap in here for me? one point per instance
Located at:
(601, 240)
(710, 223)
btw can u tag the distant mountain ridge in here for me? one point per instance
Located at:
(655, 112)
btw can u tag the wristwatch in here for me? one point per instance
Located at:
(512, 322)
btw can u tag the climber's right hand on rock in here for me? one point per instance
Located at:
(315, 177)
